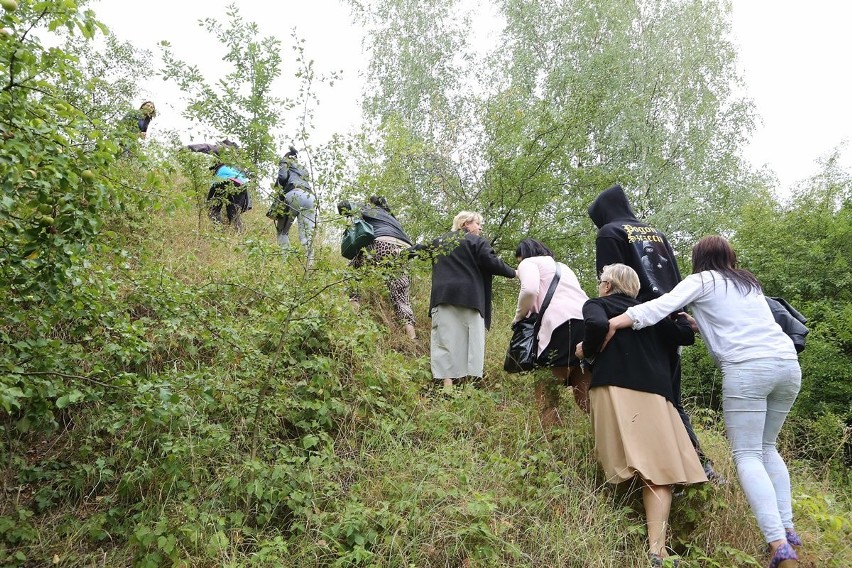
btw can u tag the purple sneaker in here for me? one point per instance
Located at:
(792, 537)
(658, 561)
(784, 557)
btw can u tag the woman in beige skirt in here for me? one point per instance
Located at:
(638, 431)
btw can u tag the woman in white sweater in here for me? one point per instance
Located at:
(561, 327)
(761, 377)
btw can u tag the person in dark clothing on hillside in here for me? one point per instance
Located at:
(384, 251)
(638, 431)
(216, 149)
(295, 198)
(622, 238)
(463, 266)
(132, 125)
(229, 187)
(143, 118)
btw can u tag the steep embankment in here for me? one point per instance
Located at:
(229, 408)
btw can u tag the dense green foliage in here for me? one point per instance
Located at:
(240, 105)
(579, 95)
(175, 395)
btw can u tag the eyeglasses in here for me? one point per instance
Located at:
(601, 281)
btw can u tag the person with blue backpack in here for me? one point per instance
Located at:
(229, 187)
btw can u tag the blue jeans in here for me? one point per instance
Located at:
(758, 394)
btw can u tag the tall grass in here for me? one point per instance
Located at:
(359, 462)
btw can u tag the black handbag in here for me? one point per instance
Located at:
(523, 347)
(357, 236)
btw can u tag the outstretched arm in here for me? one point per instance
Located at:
(529, 275)
(427, 251)
(489, 262)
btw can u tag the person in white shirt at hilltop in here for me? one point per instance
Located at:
(761, 377)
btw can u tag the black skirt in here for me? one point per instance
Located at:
(560, 351)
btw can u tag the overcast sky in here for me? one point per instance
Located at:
(794, 55)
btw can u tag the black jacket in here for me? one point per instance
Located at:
(635, 359)
(137, 119)
(142, 122)
(790, 320)
(384, 223)
(463, 267)
(213, 149)
(291, 176)
(622, 238)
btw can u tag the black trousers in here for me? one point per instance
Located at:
(678, 404)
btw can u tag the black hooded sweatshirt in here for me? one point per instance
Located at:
(622, 238)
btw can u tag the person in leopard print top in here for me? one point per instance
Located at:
(385, 251)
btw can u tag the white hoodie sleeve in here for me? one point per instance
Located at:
(652, 311)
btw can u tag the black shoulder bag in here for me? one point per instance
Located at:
(523, 347)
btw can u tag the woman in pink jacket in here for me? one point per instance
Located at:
(561, 326)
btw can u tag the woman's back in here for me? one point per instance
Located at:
(535, 274)
(635, 359)
(384, 223)
(736, 325)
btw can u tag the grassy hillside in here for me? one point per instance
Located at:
(202, 401)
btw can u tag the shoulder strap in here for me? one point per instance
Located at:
(548, 296)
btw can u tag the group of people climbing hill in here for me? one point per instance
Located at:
(619, 352)
(293, 198)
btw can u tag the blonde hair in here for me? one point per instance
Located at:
(622, 279)
(464, 217)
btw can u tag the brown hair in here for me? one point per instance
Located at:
(148, 109)
(714, 252)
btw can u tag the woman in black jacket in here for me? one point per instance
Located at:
(385, 251)
(146, 114)
(463, 266)
(295, 199)
(638, 431)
